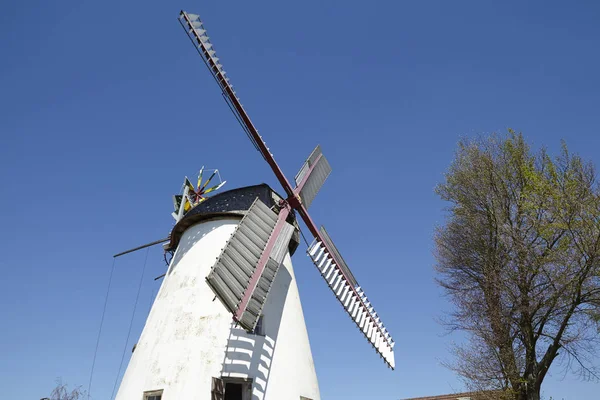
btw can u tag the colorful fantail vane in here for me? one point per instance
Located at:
(190, 197)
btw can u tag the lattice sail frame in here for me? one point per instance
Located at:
(308, 182)
(246, 268)
(345, 288)
(312, 176)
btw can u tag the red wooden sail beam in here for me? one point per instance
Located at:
(219, 74)
(262, 262)
(311, 176)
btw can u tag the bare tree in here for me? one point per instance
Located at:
(519, 257)
(61, 392)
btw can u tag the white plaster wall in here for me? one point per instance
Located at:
(280, 362)
(189, 336)
(292, 369)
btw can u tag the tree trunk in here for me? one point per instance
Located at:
(529, 392)
(533, 395)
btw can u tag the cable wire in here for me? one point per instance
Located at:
(239, 120)
(303, 237)
(112, 270)
(137, 297)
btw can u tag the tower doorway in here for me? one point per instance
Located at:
(232, 389)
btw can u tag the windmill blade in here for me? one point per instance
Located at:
(336, 254)
(197, 34)
(188, 184)
(216, 187)
(177, 199)
(187, 206)
(177, 202)
(311, 176)
(182, 202)
(200, 189)
(340, 279)
(196, 31)
(200, 177)
(247, 266)
(244, 272)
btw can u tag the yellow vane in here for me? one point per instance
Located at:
(191, 196)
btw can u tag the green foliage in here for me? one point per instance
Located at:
(519, 257)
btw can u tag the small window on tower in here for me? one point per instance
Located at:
(153, 395)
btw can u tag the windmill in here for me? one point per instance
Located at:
(229, 297)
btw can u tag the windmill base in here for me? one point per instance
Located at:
(190, 348)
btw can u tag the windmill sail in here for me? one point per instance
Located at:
(309, 180)
(311, 176)
(338, 256)
(336, 273)
(196, 32)
(244, 272)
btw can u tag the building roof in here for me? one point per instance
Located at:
(227, 204)
(487, 395)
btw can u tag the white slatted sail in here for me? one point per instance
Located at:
(312, 175)
(193, 26)
(341, 281)
(197, 33)
(338, 256)
(309, 180)
(231, 275)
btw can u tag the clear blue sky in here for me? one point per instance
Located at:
(105, 107)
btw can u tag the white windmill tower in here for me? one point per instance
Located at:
(231, 257)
